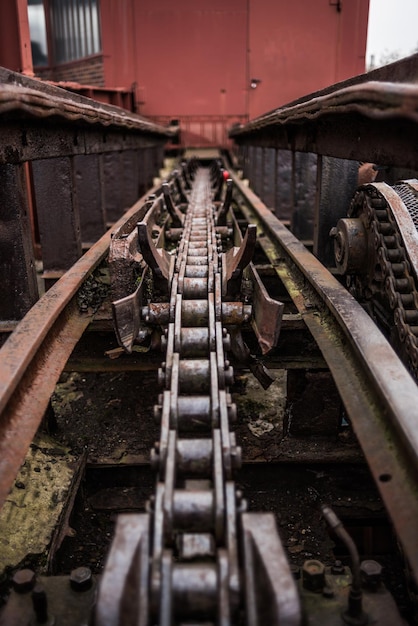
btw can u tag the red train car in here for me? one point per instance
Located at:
(207, 65)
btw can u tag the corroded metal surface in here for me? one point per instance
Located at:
(379, 394)
(34, 356)
(15, 99)
(195, 572)
(40, 121)
(348, 122)
(195, 496)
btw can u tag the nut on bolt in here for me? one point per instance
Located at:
(81, 579)
(337, 568)
(313, 575)
(371, 573)
(24, 580)
(40, 605)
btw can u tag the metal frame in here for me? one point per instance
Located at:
(65, 135)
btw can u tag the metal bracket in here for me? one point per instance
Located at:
(127, 315)
(123, 591)
(176, 216)
(157, 259)
(270, 590)
(182, 196)
(223, 211)
(267, 313)
(242, 354)
(236, 260)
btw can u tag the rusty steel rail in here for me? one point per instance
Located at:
(372, 118)
(379, 395)
(35, 354)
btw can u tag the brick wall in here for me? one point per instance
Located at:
(87, 71)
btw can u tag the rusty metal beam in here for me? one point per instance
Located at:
(380, 396)
(18, 287)
(372, 121)
(57, 103)
(33, 357)
(29, 140)
(57, 211)
(41, 121)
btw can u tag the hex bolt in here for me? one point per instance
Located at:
(155, 459)
(40, 603)
(229, 376)
(295, 571)
(232, 413)
(81, 579)
(161, 375)
(236, 457)
(227, 342)
(24, 580)
(150, 504)
(243, 506)
(337, 568)
(371, 574)
(158, 411)
(313, 575)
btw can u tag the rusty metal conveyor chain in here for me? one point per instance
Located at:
(192, 529)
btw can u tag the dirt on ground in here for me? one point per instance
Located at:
(110, 416)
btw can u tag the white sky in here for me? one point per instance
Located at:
(393, 27)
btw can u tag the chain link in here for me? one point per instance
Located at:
(389, 275)
(195, 562)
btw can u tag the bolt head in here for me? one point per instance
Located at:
(338, 568)
(24, 580)
(81, 579)
(313, 575)
(371, 573)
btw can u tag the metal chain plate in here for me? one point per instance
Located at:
(197, 573)
(391, 273)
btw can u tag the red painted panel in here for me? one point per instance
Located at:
(120, 56)
(298, 47)
(192, 57)
(352, 44)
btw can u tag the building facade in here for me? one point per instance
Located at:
(207, 65)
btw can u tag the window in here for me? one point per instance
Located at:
(73, 28)
(38, 39)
